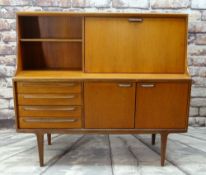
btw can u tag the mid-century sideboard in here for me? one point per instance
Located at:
(107, 73)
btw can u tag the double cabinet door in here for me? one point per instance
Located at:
(161, 105)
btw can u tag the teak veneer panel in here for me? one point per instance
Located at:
(108, 105)
(155, 45)
(163, 106)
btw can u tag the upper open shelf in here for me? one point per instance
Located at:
(53, 27)
(50, 42)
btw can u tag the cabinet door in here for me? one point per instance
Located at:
(109, 105)
(162, 105)
(150, 45)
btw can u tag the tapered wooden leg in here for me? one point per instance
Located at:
(153, 139)
(163, 147)
(49, 138)
(40, 143)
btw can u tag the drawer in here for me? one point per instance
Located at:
(45, 87)
(49, 99)
(49, 111)
(49, 122)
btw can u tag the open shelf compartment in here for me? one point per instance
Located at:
(51, 42)
(59, 27)
(51, 56)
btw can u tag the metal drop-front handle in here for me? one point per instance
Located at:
(135, 19)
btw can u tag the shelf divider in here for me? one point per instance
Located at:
(49, 40)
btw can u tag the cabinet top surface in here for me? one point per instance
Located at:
(100, 14)
(78, 75)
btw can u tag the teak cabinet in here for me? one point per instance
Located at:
(107, 73)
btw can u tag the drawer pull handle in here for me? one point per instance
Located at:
(49, 96)
(48, 120)
(135, 20)
(48, 85)
(125, 85)
(38, 108)
(147, 85)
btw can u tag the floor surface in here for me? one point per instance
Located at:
(103, 154)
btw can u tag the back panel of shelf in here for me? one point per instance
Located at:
(51, 55)
(51, 27)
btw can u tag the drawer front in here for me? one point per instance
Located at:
(48, 122)
(49, 111)
(49, 99)
(38, 87)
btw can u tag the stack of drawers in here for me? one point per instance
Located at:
(49, 104)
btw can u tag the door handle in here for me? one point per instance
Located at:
(135, 19)
(45, 108)
(48, 120)
(48, 85)
(125, 85)
(49, 96)
(147, 85)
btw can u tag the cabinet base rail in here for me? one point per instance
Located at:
(40, 144)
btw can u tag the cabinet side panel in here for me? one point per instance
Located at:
(15, 104)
